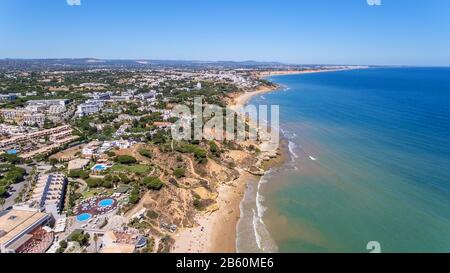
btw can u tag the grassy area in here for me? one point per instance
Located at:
(136, 169)
(95, 191)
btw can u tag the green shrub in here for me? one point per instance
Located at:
(179, 172)
(146, 153)
(152, 214)
(152, 183)
(78, 174)
(80, 237)
(124, 178)
(107, 184)
(126, 159)
(134, 196)
(214, 149)
(63, 244)
(94, 182)
(3, 190)
(199, 153)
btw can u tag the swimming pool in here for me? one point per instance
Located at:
(11, 152)
(99, 168)
(84, 217)
(106, 203)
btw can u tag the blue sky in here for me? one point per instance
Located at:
(410, 32)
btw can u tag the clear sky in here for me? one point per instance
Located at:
(410, 32)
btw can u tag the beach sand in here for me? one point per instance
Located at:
(216, 231)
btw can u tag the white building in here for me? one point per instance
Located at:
(56, 109)
(49, 193)
(33, 118)
(147, 96)
(87, 109)
(48, 103)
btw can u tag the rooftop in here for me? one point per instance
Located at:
(14, 222)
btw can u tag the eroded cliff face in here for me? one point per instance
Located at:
(196, 191)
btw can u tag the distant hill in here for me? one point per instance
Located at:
(93, 63)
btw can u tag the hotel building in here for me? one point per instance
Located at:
(25, 231)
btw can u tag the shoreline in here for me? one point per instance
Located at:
(217, 231)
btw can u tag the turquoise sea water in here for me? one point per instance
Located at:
(380, 140)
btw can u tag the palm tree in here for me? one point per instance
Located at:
(95, 241)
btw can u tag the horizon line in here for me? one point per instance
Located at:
(218, 61)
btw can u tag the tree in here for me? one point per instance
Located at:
(13, 159)
(2, 190)
(78, 174)
(214, 149)
(152, 183)
(80, 237)
(107, 184)
(94, 182)
(134, 196)
(146, 153)
(2, 202)
(63, 244)
(125, 159)
(124, 178)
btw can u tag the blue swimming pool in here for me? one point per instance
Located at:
(84, 217)
(106, 203)
(11, 152)
(99, 168)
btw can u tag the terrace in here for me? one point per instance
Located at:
(38, 241)
(95, 206)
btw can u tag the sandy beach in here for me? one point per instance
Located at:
(265, 74)
(216, 231)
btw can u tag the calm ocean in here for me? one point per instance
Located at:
(370, 161)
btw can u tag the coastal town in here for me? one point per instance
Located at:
(88, 163)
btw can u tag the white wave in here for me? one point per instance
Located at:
(312, 158)
(263, 238)
(255, 229)
(259, 207)
(292, 147)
